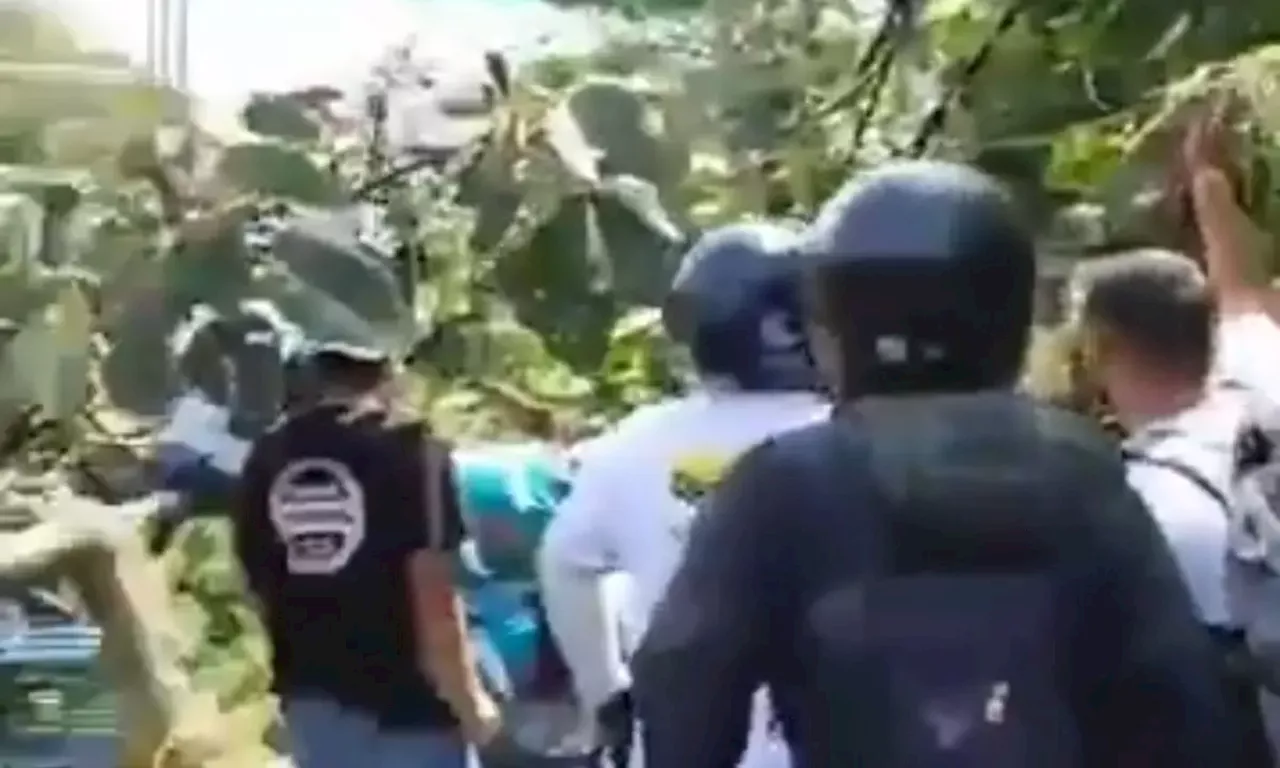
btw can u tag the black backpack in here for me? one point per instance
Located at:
(957, 683)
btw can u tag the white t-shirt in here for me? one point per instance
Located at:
(1249, 353)
(623, 512)
(633, 500)
(1195, 523)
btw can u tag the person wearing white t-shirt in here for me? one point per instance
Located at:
(1148, 318)
(735, 306)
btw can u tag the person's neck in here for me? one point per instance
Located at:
(1159, 402)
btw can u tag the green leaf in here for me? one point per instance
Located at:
(335, 283)
(642, 261)
(555, 289)
(275, 169)
(280, 117)
(565, 137)
(198, 542)
(1083, 158)
(614, 121)
(47, 186)
(137, 373)
(214, 270)
(637, 322)
(49, 358)
(490, 187)
(641, 197)
(20, 236)
(323, 318)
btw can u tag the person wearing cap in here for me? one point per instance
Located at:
(347, 525)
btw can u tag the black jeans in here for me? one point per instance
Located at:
(1241, 693)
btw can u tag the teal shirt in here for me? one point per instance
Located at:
(509, 495)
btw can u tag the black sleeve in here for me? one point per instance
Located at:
(431, 517)
(450, 530)
(1164, 705)
(705, 651)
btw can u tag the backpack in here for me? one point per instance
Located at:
(957, 683)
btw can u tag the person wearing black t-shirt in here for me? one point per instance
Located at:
(347, 526)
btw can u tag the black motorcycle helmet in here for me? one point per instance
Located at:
(736, 306)
(920, 280)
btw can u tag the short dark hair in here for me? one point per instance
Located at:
(1156, 302)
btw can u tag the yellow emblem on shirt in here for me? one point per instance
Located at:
(694, 475)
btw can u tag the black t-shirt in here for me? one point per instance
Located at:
(333, 502)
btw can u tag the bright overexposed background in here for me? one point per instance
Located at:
(240, 46)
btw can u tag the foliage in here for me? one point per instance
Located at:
(231, 654)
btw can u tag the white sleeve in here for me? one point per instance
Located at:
(581, 532)
(1249, 352)
(577, 551)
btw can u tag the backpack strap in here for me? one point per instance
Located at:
(1187, 471)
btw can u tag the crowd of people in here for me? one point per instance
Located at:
(855, 541)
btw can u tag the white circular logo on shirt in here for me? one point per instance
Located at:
(317, 507)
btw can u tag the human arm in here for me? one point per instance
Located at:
(709, 641)
(428, 540)
(1227, 234)
(1248, 308)
(578, 548)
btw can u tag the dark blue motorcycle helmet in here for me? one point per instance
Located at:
(736, 304)
(920, 278)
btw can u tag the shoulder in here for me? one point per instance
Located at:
(634, 432)
(1077, 448)
(785, 459)
(1071, 431)
(1248, 326)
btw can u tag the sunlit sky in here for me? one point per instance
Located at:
(238, 46)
